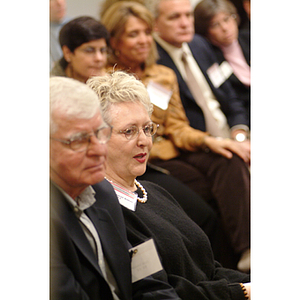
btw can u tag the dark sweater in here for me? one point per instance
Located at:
(184, 248)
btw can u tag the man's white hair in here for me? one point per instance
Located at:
(71, 98)
(153, 5)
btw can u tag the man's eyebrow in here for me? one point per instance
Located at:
(174, 15)
(85, 133)
(78, 135)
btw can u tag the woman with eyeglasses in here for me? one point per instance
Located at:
(84, 44)
(149, 210)
(224, 182)
(218, 21)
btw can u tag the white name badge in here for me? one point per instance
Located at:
(226, 69)
(159, 95)
(144, 260)
(215, 75)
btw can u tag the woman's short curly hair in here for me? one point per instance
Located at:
(118, 87)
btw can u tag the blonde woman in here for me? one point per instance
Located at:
(215, 169)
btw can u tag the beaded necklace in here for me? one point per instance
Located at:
(138, 185)
(145, 197)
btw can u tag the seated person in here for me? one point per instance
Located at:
(79, 40)
(218, 21)
(150, 211)
(216, 169)
(84, 45)
(89, 257)
(57, 18)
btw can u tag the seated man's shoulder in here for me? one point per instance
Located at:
(202, 46)
(104, 190)
(200, 39)
(103, 186)
(201, 42)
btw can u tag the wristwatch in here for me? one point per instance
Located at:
(241, 137)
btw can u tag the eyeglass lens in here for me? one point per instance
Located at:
(81, 144)
(133, 131)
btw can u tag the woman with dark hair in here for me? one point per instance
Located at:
(84, 44)
(218, 21)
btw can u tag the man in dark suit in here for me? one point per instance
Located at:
(89, 250)
(174, 34)
(192, 59)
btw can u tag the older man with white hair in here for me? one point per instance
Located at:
(90, 256)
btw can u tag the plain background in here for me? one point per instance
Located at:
(76, 8)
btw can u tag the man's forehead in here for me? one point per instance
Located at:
(77, 123)
(175, 3)
(171, 7)
(72, 114)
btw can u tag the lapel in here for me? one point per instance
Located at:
(166, 60)
(113, 241)
(62, 211)
(203, 55)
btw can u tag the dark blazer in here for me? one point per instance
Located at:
(230, 104)
(240, 89)
(74, 270)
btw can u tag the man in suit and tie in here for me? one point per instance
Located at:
(210, 103)
(90, 256)
(177, 43)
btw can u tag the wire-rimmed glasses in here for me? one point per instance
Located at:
(80, 142)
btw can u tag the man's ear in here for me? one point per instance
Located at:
(67, 53)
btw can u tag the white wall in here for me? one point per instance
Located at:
(76, 8)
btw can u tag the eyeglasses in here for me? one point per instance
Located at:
(81, 142)
(133, 131)
(225, 20)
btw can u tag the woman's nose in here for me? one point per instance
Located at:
(143, 139)
(143, 38)
(99, 56)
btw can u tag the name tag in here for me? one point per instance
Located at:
(226, 69)
(215, 75)
(159, 95)
(144, 260)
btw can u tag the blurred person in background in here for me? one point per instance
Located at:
(57, 20)
(218, 21)
(84, 42)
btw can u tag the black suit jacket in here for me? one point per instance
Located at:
(240, 89)
(74, 270)
(231, 106)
